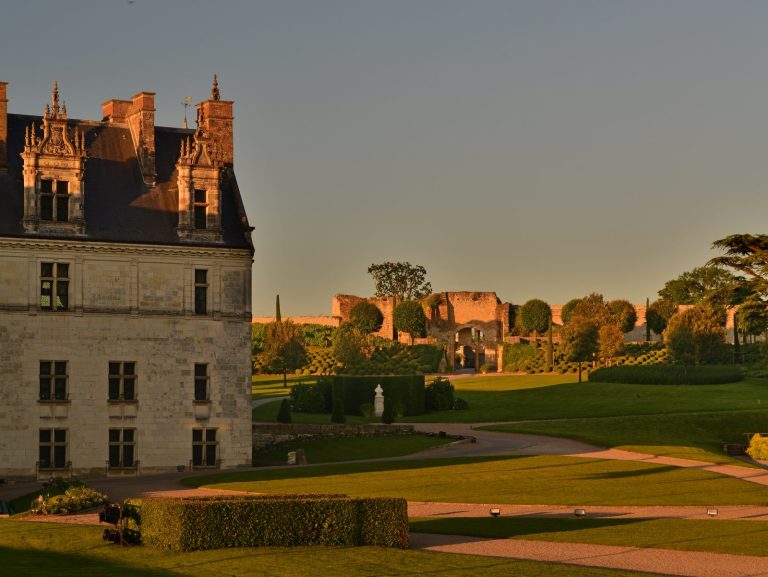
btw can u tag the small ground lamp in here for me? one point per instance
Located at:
(712, 512)
(494, 512)
(580, 512)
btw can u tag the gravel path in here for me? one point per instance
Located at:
(664, 561)
(724, 512)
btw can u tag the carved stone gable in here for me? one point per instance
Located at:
(54, 169)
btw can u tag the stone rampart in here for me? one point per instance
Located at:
(267, 434)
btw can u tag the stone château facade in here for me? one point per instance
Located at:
(125, 283)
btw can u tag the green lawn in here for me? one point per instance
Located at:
(329, 450)
(535, 397)
(58, 550)
(263, 386)
(697, 436)
(542, 480)
(736, 537)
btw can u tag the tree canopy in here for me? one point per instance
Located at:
(658, 314)
(401, 280)
(696, 335)
(284, 348)
(594, 308)
(580, 340)
(698, 285)
(567, 310)
(348, 345)
(366, 317)
(535, 316)
(409, 318)
(624, 313)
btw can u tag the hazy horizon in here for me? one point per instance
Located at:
(538, 149)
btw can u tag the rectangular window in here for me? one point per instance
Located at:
(204, 447)
(122, 381)
(201, 291)
(122, 447)
(201, 382)
(200, 209)
(62, 201)
(54, 286)
(53, 449)
(46, 200)
(54, 200)
(53, 380)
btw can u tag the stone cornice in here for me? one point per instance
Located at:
(125, 249)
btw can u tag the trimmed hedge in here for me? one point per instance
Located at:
(273, 521)
(667, 375)
(404, 391)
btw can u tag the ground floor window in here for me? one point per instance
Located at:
(204, 447)
(122, 448)
(53, 449)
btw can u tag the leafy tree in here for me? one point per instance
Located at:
(567, 310)
(697, 285)
(550, 347)
(594, 308)
(409, 318)
(696, 335)
(284, 348)
(624, 313)
(284, 413)
(535, 316)
(580, 340)
(752, 318)
(611, 340)
(658, 314)
(366, 317)
(348, 345)
(258, 330)
(401, 280)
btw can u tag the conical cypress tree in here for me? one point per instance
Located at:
(647, 328)
(550, 348)
(284, 414)
(338, 415)
(278, 319)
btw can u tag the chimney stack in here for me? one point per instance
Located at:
(3, 127)
(141, 120)
(115, 111)
(217, 121)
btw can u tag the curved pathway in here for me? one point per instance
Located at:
(498, 443)
(665, 561)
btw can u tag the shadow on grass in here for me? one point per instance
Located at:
(510, 527)
(634, 473)
(328, 470)
(43, 563)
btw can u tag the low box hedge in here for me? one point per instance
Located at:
(667, 375)
(273, 521)
(404, 391)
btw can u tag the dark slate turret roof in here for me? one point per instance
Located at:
(119, 207)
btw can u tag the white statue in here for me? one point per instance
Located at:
(378, 401)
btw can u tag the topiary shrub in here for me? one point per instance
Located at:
(667, 375)
(284, 413)
(758, 447)
(273, 521)
(438, 395)
(460, 404)
(388, 414)
(308, 399)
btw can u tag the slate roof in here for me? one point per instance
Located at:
(119, 207)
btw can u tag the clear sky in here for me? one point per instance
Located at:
(540, 149)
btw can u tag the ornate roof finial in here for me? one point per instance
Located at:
(55, 100)
(215, 88)
(64, 109)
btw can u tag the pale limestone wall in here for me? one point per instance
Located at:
(111, 319)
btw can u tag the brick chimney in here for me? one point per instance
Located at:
(115, 111)
(3, 127)
(141, 120)
(217, 121)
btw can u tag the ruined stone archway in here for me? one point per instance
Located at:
(468, 347)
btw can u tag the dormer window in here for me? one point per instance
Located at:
(201, 208)
(54, 200)
(54, 174)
